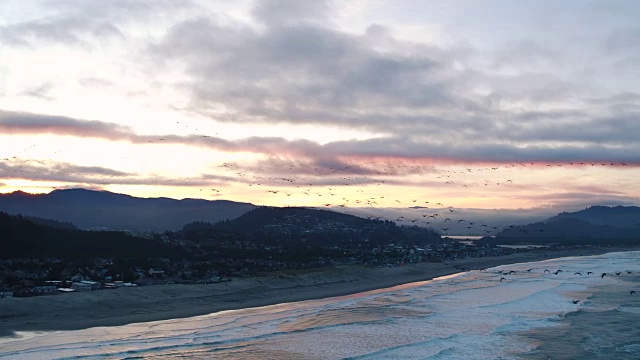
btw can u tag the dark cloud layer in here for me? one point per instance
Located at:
(338, 154)
(304, 72)
(91, 175)
(296, 67)
(27, 123)
(525, 101)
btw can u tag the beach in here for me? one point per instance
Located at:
(161, 302)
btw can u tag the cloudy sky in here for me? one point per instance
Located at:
(492, 104)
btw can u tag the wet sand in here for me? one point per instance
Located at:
(151, 303)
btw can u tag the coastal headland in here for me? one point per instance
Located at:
(160, 302)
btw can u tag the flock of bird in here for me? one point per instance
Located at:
(364, 185)
(504, 273)
(365, 191)
(369, 191)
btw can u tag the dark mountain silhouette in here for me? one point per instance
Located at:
(90, 209)
(23, 238)
(594, 225)
(268, 216)
(296, 226)
(618, 216)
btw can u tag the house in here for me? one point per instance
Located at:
(93, 284)
(86, 285)
(79, 286)
(44, 290)
(6, 293)
(156, 273)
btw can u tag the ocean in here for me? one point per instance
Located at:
(518, 311)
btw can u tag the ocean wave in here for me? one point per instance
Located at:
(468, 315)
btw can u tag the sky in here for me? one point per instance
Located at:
(362, 104)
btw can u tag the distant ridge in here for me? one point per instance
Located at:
(89, 209)
(617, 216)
(299, 226)
(593, 225)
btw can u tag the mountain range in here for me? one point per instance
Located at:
(104, 210)
(594, 225)
(616, 216)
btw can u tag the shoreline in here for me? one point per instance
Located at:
(123, 306)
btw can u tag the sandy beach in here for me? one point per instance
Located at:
(151, 303)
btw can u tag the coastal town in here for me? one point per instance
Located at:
(52, 276)
(55, 258)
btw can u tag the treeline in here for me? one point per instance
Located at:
(52, 223)
(21, 237)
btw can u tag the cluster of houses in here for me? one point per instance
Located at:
(59, 287)
(31, 277)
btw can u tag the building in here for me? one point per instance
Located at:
(94, 284)
(44, 290)
(156, 274)
(110, 285)
(80, 286)
(86, 285)
(6, 293)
